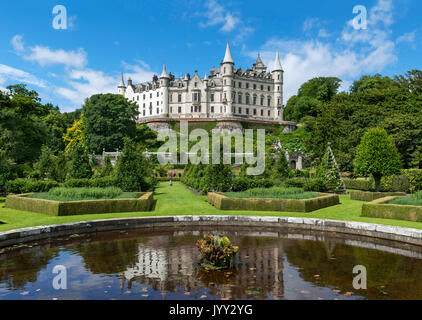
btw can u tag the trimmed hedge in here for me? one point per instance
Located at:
(358, 184)
(21, 202)
(371, 196)
(222, 202)
(381, 208)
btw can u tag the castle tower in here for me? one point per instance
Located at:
(165, 82)
(121, 89)
(227, 70)
(278, 75)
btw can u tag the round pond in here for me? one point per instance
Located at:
(271, 264)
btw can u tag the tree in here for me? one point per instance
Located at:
(46, 164)
(108, 118)
(5, 172)
(22, 131)
(310, 96)
(132, 170)
(75, 136)
(79, 167)
(107, 169)
(329, 172)
(281, 166)
(218, 177)
(377, 155)
(56, 126)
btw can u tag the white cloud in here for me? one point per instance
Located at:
(9, 74)
(85, 83)
(216, 14)
(355, 52)
(407, 37)
(17, 43)
(45, 56)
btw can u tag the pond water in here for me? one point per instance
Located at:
(271, 264)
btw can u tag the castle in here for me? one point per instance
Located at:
(226, 94)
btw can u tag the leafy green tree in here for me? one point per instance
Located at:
(5, 171)
(46, 164)
(281, 166)
(377, 155)
(108, 118)
(133, 171)
(56, 126)
(22, 131)
(218, 177)
(107, 169)
(79, 167)
(310, 96)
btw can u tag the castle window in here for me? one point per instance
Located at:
(262, 87)
(254, 86)
(150, 95)
(137, 98)
(180, 109)
(171, 109)
(278, 77)
(240, 98)
(254, 100)
(254, 112)
(196, 97)
(158, 110)
(143, 113)
(247, 85)
(269, 101)
(191, 109)
(199, 109)
(240, 110)
(158, 94)
(247, 99)
(221, 109)
(158, 103)
(212, 109)
(240, 84)
(144, 105)
(269, 113)
(262, 100)
(278, 88)
(247, 111)
(224, 69)
(269, 88)
(150, 104)
(262, 113)
(144, 97)
(196, 84)
(212, 97)
(234, 84)
(179, 98)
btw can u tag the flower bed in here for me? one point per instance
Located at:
(23, 202)
(222, 202)
(383, 208)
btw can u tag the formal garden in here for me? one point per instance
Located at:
(57, 167)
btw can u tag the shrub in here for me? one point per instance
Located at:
(415, 178)
(317, 185)
(79, 164)
(377, 155)
(19, 186)
(216, 253)
(85, 193)
(97, 182)
(358, 184)
(245, 183)
(295, 183)
(272, 193)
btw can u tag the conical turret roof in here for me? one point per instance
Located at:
(277, 64)
(228, 56)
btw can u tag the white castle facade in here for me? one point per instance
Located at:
(225, 93)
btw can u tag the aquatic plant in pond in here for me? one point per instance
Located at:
(272, 193)
(216, 253)
(414, 199)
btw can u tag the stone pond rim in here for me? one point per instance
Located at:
(392, 233)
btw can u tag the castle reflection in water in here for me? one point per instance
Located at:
(170, 267)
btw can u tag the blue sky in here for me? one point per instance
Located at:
(104, 38)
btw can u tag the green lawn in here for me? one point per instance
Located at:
(178, 200)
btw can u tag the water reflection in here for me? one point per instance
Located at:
(271, 264)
